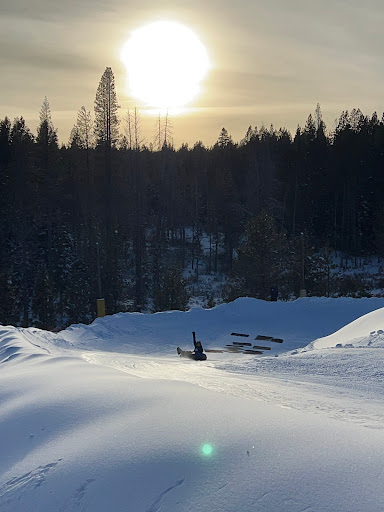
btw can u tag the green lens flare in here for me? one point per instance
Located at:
(207, 449)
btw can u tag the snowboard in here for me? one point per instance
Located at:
(197, 356)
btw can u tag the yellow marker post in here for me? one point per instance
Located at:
(100, 308)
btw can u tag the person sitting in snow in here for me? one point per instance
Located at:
(198, 346)
(197, 354)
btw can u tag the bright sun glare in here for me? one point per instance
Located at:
(165, 63)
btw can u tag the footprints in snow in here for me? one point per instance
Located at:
(74, 502)
(16, 487)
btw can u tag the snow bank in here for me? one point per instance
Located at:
(298, 323)
(367, 331)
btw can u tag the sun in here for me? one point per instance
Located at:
(166, 63)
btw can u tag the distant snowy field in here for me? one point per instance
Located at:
(107, 417)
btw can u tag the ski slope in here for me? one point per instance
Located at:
(107, 417)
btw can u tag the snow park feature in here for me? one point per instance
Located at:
(107, 416)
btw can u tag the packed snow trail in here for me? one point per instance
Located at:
(342, 386)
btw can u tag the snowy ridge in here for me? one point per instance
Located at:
(367, 331)
(16, 343)
(298, 323)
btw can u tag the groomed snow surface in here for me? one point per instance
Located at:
(108, 418)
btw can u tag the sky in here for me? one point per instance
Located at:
(271, 61)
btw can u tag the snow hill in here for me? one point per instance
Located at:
(367, 331)
(107, 417)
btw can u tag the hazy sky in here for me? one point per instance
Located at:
(272, 60)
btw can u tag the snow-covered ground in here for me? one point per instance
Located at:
(107, 417)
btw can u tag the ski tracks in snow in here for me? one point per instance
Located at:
(319, 394)
(156, 505)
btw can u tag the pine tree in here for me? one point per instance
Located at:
(85, 124)
(171, 293)
(319, 123)
(43, 306)
(74, 138)
(82, 136)
(25, 201)
(309, 129)
(224, 139)
(9, 297)
(78, 293)
(261, 258)
(6, 186)
(106, 106)
(46, 144)
(47, 135)
(48, 177)
(250, 134)
(106, 128)
(5, 147)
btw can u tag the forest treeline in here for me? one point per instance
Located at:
(108, 216)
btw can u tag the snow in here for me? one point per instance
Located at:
(108, 417)
(366, 331)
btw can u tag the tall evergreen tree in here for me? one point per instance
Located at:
(5, 142)
(46, 132)
(224, 139)
(6, 191)
(106, 106)
(106, 128)
(84, 125)
(170, 293)
(46, 142)
(82, 137)
(260, 262)
(25, 201)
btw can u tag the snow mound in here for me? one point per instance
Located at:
(328, 321)
(18, 343)
(298, 323)
(367, 331)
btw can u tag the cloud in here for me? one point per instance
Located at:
(43, 58)
(47, 10)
